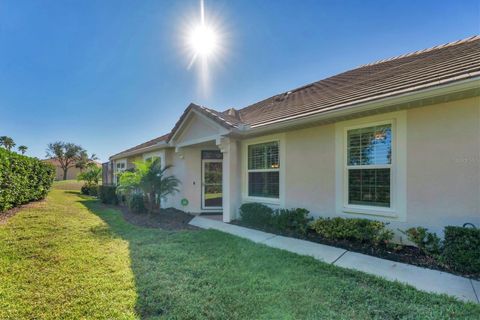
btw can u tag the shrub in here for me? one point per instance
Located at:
(462, 249)
(361, 230)
(23, 179)
(291, 220)
(107, 194)
(136, 203)
(256, 214)
(426, 241)
(89, 190)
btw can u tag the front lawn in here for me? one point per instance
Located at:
(71, 258)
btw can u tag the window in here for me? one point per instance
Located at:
(120, 166)
(264, 170)
(369, 166)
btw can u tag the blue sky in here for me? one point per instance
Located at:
(111, 74)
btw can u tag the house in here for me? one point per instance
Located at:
(396, 140)
(72, 172)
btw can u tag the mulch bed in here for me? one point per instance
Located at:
(4, 216)
(405, 254)
(168, 219)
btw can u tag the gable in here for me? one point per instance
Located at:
(197, 128)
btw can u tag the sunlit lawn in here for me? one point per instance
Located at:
(72, 258)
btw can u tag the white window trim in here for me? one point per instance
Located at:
(398, 201)
(116, 170)
(159, 154)
(280, 138)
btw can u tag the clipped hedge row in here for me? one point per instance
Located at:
(461, 249)
(359, 230)
(107, 194)
(23, 179)
(284, 220)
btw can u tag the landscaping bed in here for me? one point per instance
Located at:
(456, 254)
(404, 254)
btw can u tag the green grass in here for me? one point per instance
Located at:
(68, 184)
(72, 258)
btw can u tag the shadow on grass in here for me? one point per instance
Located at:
(211, 275)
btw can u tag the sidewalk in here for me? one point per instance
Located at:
(420, 278)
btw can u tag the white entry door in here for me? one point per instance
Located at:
(212, 195)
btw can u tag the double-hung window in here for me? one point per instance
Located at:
(264, 170)
(120, 166)
(368, 166)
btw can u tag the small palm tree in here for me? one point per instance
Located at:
(92, 176)
(151, 179)
(84, 161)
(7, 142)
(22, 149)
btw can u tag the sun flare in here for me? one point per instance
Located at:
(204, 44)
(203, 41)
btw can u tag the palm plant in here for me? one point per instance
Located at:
(151, 179)
(84, 161)
(22, 149)
(92, 176)
(7, 142)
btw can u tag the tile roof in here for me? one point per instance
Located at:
(144, 145)
(425, 68)
(421, 69)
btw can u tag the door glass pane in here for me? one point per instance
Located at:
(212, 184)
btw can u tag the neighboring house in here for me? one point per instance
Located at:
(396, 140)
(72, 172)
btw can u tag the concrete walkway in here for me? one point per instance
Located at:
(420, 278)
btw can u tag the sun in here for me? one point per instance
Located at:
(203, 41)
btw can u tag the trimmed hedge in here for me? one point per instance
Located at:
(359, 230)
(291, 220)
(89, 190)
(256, 214)
(284, 220)
(462, 249)
(23, 179)
(107, 194)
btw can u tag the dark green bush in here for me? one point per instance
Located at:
(462, 249)
(89, 190)
(360, 230)
(291, 220)
(256, 214)
(136, 203)
(23, 179)
(107, 194)
(426, 241)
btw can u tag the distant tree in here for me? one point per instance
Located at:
(66, 153)
(22, 149)
(7, 142)
(85, 161)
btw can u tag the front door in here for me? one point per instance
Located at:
(212, 196)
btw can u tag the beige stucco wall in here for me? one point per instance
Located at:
(443, 167)
(443, 164)
(310, 170)
(187, 166)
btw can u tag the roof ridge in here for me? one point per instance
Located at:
(440, 46)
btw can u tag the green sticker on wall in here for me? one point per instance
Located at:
(184, 202)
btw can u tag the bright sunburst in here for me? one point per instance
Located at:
(203, 41)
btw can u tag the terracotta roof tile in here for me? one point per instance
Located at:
(144, 145)
(460, 59)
